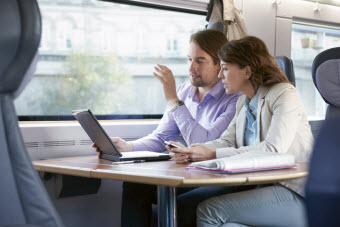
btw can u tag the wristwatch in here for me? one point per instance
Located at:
(176, 105)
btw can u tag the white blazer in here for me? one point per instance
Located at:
(282, 126)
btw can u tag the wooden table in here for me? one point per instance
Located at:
(167, 175)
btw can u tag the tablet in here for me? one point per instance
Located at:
(104, 143)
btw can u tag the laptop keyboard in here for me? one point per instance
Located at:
(136, 154)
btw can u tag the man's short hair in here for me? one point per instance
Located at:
(211, 41)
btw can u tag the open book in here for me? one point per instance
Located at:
(246, 162)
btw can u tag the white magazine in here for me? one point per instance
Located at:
(247, 162)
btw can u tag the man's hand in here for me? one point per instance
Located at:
(165, 76)
(121, 144)
(97, 150)
(195, 153)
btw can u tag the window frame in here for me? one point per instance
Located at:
(172, 5)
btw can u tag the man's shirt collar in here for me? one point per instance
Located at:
(216, 91)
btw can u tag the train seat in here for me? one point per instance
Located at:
(23, 199)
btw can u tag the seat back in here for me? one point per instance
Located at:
(286, 64)
(326, 78)
(323, 184)
(23, 199)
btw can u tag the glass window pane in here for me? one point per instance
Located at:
(100, 55)
(307, 42)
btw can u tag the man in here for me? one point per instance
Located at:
(200, 111)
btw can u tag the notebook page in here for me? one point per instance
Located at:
(248, 160)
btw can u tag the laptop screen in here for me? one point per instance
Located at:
(95, 131)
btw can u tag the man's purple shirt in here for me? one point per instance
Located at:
(198, 122)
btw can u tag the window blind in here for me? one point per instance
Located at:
(194, 5)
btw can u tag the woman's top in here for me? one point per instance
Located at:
(282, 126)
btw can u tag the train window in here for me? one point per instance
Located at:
(100, 55)
(308, 40)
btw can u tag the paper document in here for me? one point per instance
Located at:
(247, 162)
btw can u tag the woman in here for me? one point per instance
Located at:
(269, 117)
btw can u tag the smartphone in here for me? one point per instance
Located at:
(171, 144)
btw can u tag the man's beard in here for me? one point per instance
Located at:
(199, 83)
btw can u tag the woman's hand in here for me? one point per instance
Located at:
(176, 157)
(195, 153)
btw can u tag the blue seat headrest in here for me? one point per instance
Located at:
(328, 81)
(326, 75)
(18, 44)
(287, 67)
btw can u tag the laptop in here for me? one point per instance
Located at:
(108, 150)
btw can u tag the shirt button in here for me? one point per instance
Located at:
(199, 107)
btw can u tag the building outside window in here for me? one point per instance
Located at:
(46, 41)
(101, 56)
(64, 30)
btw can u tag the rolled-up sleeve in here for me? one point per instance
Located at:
(166, 130)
